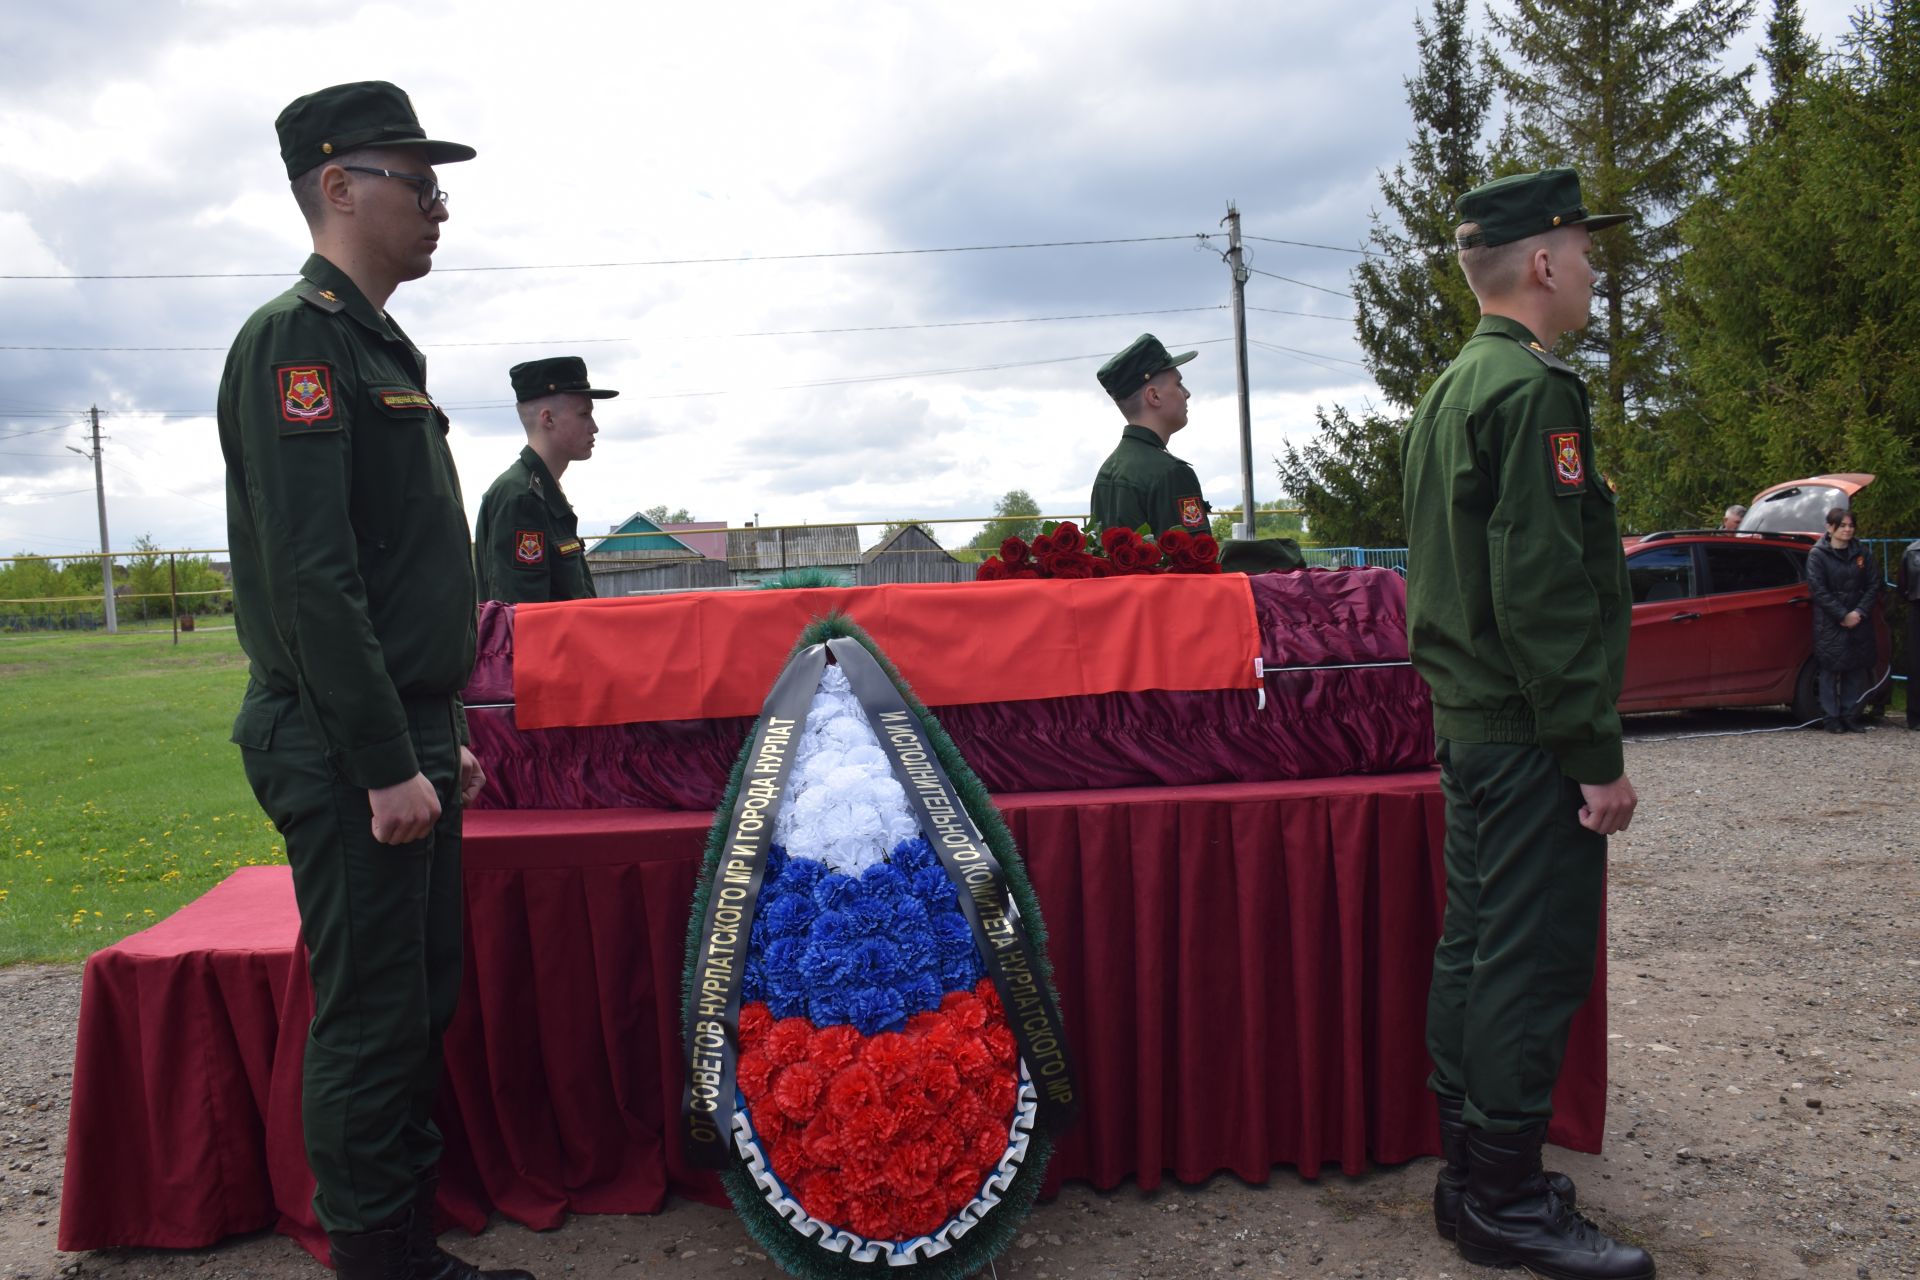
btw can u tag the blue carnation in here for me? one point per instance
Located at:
(873, 962)
(800, 875)
(875, 1009)
(783, 959)
(883, 879)
(909, 916)
(921, 993)
(952, 935)
(871, 916)
(911, 855)
(753, 985)
(836, 931)
(785, 915)
(963, 974)
(931, 886)
(825, 1006)
(832, 889)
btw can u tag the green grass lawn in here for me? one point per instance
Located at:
(120, 796)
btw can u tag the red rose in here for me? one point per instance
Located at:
(1111, 538)
(1176, 542)
(1104, 569)
(1025, 573)
(1050, 564)
(1073, 564)
(1067, 537)
(1205, 549)
(1015, 552)
(1043, 547)
(992, 569)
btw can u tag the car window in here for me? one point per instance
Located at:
(1735, 568)
(1799, 509)
(1661, 573)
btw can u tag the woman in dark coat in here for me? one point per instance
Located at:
(1843, 583)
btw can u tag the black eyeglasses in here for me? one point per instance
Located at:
(428, 192)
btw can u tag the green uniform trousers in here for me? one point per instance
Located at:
(1515, 959)
(382, 929)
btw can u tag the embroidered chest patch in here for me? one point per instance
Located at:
(405, 400)
(1569, 467)
(306, 393)
(571, 547)
(530, 546)
(1193, 512)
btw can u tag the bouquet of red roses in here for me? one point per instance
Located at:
(1063, 551)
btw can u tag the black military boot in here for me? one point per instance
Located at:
(1510, 1217)
(371, 1255)
(1452, 1182)
(429, 1260)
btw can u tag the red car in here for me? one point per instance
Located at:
(1723, 619)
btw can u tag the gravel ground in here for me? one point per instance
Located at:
(1764, 1118)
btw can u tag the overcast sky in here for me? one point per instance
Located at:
(136, 136)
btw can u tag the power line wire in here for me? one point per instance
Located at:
(756, 333)
(652, 262)
(785, 386)
(1290, 280)
(1311, 315)
(1296, 351)
(1308, 244)
(36, 431)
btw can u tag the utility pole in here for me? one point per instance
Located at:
(1236, 261)
(106, 549)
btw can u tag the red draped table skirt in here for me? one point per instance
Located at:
(1242, 968)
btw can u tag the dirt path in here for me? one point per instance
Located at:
(1764, 1118)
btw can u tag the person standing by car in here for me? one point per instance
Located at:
(1842, 580)
(1909, 580)
(1730, 518)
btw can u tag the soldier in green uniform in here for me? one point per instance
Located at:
(1517, 614)
(526, 543)
(353, 597)
(1140, 483)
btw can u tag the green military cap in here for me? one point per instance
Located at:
(551, 377)
(330, 122)
(1527, 204)
(1127, 372)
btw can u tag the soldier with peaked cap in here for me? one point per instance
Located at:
(1140, 483)
(526, 543)
(1517, 616)
(353, 598)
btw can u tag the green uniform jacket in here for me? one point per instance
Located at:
(1517, 598)
(526, 543)
(1141, 483)
(352, 586)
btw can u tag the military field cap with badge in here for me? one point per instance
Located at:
(1127, 372)
(1527, 204)
(552, 377)
(328, 123)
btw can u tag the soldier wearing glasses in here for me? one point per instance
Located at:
(354, 600)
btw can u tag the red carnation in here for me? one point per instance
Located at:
(853, 1088)
(822, 1142)
(796, 1090)
(754, 1072)
(822, 1195)
(833, 1048)
(866, 1131)
(1067, 537)
(755, 1022)
(989, 995)
(992, 569)
(987, 1144)
(1015, 552)
(1000, 1043)
(965, 1009)
(962, 1185)
(913, 1171)
(771, 1128)
(787, 1041)
(871, 1216)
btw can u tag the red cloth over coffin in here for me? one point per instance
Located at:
(1328, 710)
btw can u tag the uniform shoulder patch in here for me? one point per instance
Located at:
(306, 394)
(529, 546)
(1568, 463)
(1193, 512)
(325, 299)
(1547, 357)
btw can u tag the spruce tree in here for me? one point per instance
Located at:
(1414, 308)
(1629, 92)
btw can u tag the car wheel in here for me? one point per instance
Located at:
(1806, 692)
